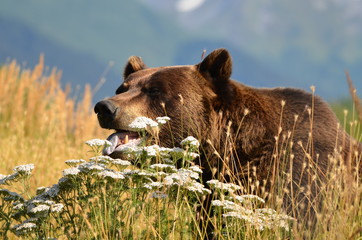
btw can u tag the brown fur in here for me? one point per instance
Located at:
(237, 125)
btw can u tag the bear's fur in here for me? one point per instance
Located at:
(242, 129)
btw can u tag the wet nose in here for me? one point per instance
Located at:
(106, 110)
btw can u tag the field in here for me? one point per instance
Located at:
(93, 197)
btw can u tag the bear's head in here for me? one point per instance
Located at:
(189, 95)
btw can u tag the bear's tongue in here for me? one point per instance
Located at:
(119, 139)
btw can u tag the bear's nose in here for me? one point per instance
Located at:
(106, 110)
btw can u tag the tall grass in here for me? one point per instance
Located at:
(40, 123)
(101, 198)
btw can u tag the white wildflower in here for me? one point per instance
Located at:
(168, 180)
(130, 172)
(177, 153)
(186, 173)
(159, 194)
(9, 195)
(196, 169)
(74, 162)
(19, 206)
(71, 171)
(217, 203)
(145, 173)
(24, 169)
(197, 187)
(49, 202)
(182, 177)
(91, 167)
(142, 123)
(40, 190)
(249, 197)
(101, 159)
(50, 191)
(225, 203)
(111, 174)
(58, 207)
(190, 141)
(8, 178)
(39, 209)
(193, 155)
(23, 228)
(162, 166)
(151, 151)
(258, 218)
(98, 143)
(229, 187)
(164, 152)
(3, 179)
(36, 201)
(153, 185)
(120, 162)
(162, 120)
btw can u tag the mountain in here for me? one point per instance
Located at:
(273, 43)
(19, 42)
(311, 42)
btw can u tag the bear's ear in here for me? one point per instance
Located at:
(134, 64)
(217, 65)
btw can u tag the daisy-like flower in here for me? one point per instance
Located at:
(98, 143)
(142, 123)
(24, 169)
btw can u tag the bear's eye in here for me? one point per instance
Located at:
(153, 91)
(121, 89)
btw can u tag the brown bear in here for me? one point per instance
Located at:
(249, 134)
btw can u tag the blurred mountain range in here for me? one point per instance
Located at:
(273, 43)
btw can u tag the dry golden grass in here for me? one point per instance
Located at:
(40, 123)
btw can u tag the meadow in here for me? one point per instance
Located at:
(56, 185)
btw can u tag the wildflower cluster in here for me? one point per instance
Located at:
(245, 208)
(20, 172)
(130, 192)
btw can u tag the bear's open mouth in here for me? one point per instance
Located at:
(120, 140)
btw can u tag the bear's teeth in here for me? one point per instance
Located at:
(126, 139)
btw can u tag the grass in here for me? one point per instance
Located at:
(102, 198)
(40, 123)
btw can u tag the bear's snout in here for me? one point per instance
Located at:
(106, 112)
